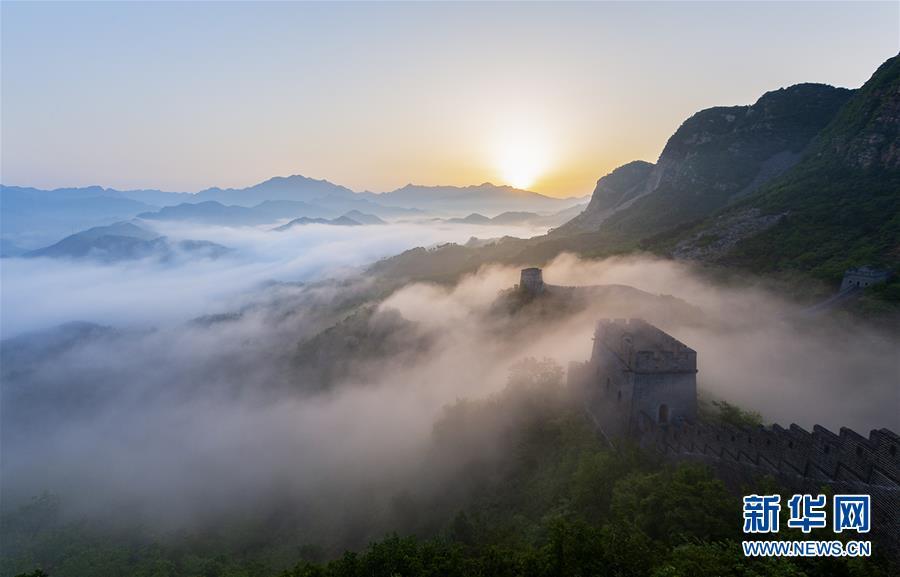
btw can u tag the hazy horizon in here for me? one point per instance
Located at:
(285, 176)
(183, 96)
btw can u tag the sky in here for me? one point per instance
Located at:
(184, 96)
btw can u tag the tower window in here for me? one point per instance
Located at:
(663, 416)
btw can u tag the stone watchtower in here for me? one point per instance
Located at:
(637, 372)
(532, 281)
(640, 383)
(863, 277)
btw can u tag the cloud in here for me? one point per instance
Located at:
(40, 293)
(186, 422)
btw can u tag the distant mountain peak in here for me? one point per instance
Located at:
(124, 241)
(482, 198)
(362, 217)
(293, 178)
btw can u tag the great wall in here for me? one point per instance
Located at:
(640, 386)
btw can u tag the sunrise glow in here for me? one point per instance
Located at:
(521, 160)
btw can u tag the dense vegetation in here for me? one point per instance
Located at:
(718, 154)
(552, 500)
(839, 207)
(843, 201)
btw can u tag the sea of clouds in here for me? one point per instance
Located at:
(177, 421)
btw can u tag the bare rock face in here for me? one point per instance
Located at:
(717, 156)
(842, 197)
(620, 185)
(868, 134)
(613, 192)
(726, 232)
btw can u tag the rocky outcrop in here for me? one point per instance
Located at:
(866, 135)
(725, 233)
(613, 192)
(718, 155)
(834, 209)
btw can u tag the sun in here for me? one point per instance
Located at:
(519, 173)
(520, 162)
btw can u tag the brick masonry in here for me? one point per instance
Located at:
(640, 384)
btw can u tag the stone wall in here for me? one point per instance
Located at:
(642, 347)
(799, 460)
(635, 369)
(820, 455)
(531, 280)
(863, 277)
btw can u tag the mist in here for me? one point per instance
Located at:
(322, 397)
(40, 293)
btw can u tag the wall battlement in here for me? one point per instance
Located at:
(627, 356)
(640, 384)
(799, 460)
(820, 455)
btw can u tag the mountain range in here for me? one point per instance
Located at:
(521, 218)
(482, 198)
(716, 157)
(838, 207)
(32, 218)
(805, 180)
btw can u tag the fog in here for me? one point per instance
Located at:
(41, 293)
(323, 395)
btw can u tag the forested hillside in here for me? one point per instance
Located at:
(840, 206)
(539, 494)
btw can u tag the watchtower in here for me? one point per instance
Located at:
(531, 281)
(863, 277)
(636, 371)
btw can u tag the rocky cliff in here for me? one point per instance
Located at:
(838, 207)
(717, 156)
(613, 192)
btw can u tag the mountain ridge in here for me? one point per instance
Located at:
(836, 205)
(32, 217)
(839, 207)
(124, 241)
(715, 156)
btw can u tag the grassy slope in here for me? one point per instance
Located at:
(840, 214)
